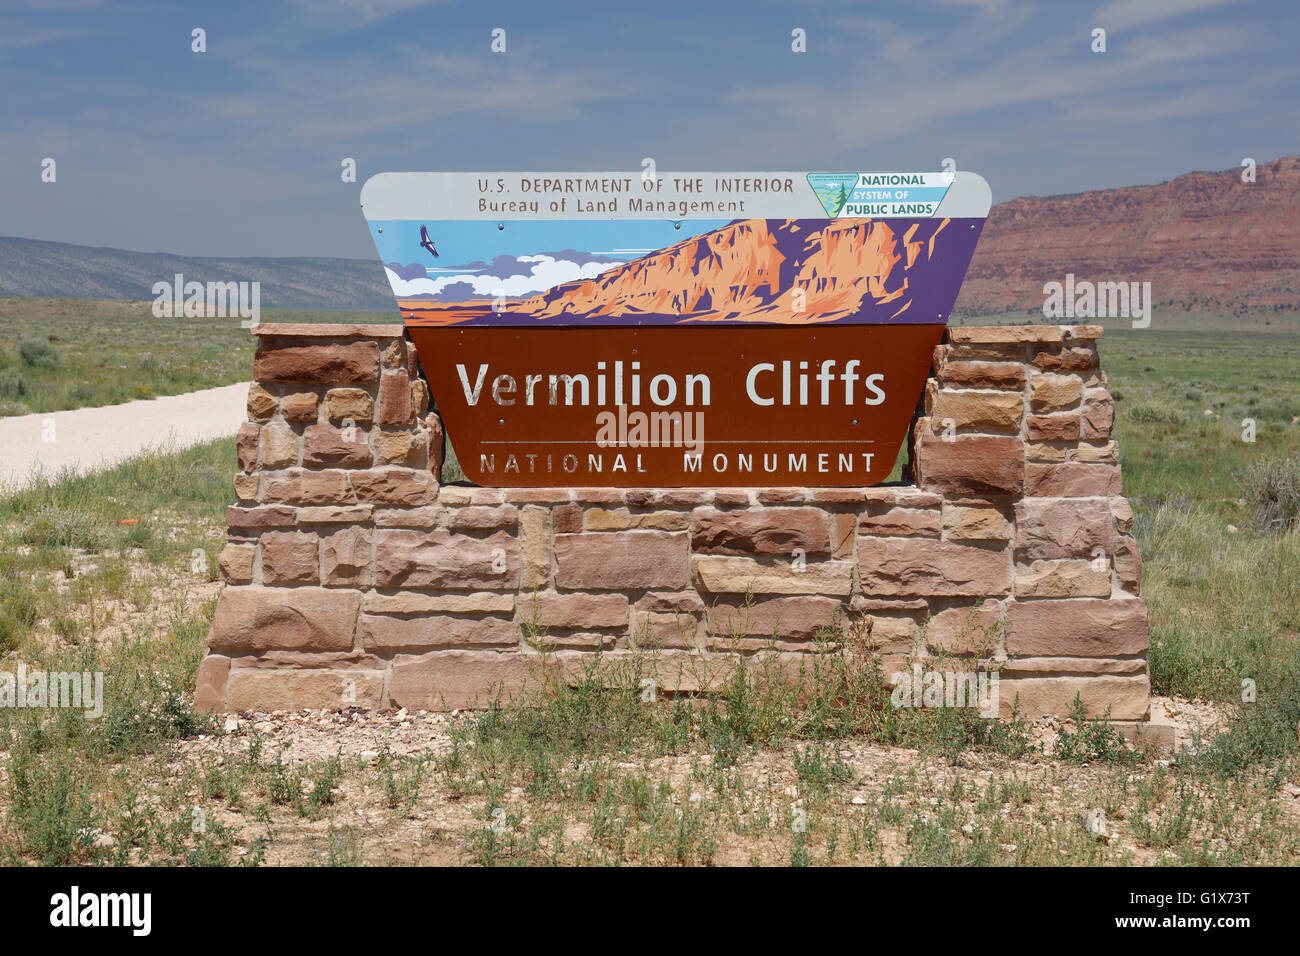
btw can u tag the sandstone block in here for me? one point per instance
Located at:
(306, 487)
(889, 633)
(1016, 334)
(1071, 480)
(1051, 392)
(210, 684)
(781, 496)
(458, 679)
(349, 404)
(437, 443)
(983, 353)
(971, 464)
(779, 531)
(975, 523)
(383, 633)
(1128, 565)
(897, 521)
(265, 516)
(481, 517)
(253, 619)
(1108, 452)
(419, 397)
(395, 447)
(621, 560)
(620, 519)
(1122, 512)
(1047, 453)
(289, 557)
(906, 566)
(1079, 627)
(718, 574)
(301, 406)
(1006, 375)
(421, 602)
(335, 514)
(246, 446)
(1062, 426)
(327, 445)
(1063, 527)
(1063, 578)
(574, 610)
(421, 516)
(395, 399)
(279, 445)
(265, 690)
(236, 563)
(535, 547)
(844, 527)
(974, 629)
(445, 559)
(395, 486)
(1078, 358)
(653, 629)
(246, 487)
(782, 618)
(975, 411)
(1126, 698)
(352, 363)
(566, 519)
(733, 498)
(261, 403)
(1070, 666)
(347, 556)
(1098, 413)
(671, 602)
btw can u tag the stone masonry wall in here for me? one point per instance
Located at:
(352, 578)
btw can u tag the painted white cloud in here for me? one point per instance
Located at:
(545, 272)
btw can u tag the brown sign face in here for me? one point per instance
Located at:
(676, 406)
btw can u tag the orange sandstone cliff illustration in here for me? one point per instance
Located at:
(756, 270)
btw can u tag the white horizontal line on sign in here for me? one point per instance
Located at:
(772, 441)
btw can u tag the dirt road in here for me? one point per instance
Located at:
(90, 438)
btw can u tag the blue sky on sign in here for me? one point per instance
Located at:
(237, 151)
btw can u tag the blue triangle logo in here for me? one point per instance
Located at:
(832, 190)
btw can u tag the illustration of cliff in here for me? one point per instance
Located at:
(793, 271)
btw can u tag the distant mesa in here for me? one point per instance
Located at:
(1207, 242)
(746, 271)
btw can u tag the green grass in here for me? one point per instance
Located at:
(591, 774)
(1219, 572)
(70, 543)
(58, 354)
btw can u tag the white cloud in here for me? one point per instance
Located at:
(1131, 13)
(546, 272)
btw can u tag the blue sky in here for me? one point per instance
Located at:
(236, 151)
(459, 243)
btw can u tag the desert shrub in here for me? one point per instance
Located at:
(38, 353)
(10, 632)
(63, 527)
(50, 807)
(1272, 491)
(1092, 741)
(1155, 413)
(1278, 410)
(12, 383)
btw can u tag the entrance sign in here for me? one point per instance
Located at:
(740, 329)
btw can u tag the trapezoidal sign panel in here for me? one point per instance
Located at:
(693, 329)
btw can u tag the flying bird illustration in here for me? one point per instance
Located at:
(426, 242)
